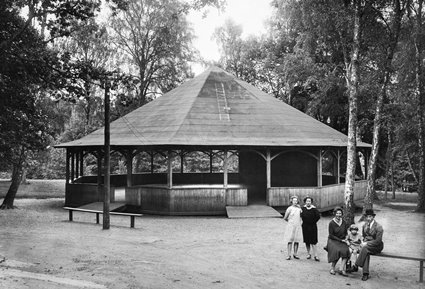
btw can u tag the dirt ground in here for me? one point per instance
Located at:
(40, 248)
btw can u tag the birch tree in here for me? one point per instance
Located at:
(392, 30)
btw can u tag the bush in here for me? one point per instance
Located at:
(380, 184)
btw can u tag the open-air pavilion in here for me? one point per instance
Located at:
(253, 148)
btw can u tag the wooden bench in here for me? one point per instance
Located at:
(71, 210)
(421, 262)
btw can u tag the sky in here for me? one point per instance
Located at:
(251, 14)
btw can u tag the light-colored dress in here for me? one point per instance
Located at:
(355, 241)
(293, 232)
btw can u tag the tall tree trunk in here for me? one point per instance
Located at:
(352, 83)
(395, 32)
(387, 163)
(420, 93)
(16, 181)
(24, 176)
(392, 175)
(412, 171)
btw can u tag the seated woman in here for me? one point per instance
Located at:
(337, 247)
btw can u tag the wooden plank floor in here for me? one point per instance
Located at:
(98, 206)
(252, 211)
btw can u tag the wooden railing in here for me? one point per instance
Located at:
(324, 198)
(185, 200)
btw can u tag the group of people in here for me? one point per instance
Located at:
(344, 241)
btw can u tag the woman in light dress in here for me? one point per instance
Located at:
(293, 232)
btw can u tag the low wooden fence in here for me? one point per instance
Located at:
(182, 200)
(81, 194)
(324, 198)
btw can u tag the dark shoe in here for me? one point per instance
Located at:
(355, 268)
(332, 272)
(316, 259)
(308, 256)
(296, 257)
(343, 273)
(348, 266)
(365, 277)
(288, 258)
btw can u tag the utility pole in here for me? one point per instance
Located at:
(107, 181)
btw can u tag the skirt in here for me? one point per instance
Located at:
(337, 250)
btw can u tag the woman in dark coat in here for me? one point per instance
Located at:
(337, 247)
(310, 216)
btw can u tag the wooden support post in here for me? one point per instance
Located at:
(319, 169)
(97, 218)
(181, 161)
(421, 271)
(339, 167)
(67, 167)
(151, 162)
(99, 174)
(129, 160)
(269, 169)
(70, 215)
(82, 163)
(366, 164)
(170, 170)
(225, 164)
(334, 168)
(107, 178)
(131, 221)
(72, 166)
(77, 164)
(211, 161)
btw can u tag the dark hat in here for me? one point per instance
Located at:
(370, 212)
(308, 197)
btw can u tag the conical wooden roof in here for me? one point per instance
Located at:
(216, 109)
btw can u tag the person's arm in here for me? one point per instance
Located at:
(286, 214)
(363, 242)
(317, 216)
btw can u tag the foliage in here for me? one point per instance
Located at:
(23, 76)
(88, 51)
(155, 36)
(29, 72)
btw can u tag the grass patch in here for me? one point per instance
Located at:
(36, 189)
(399, 197)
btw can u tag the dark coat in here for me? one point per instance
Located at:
(373, 237)
(310, 218)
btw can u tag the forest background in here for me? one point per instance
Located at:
(355, 65)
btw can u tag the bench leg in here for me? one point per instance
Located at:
(421, 271)
(70, 215)
(132, 221)
(97, 218)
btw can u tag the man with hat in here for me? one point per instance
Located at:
(372, 243)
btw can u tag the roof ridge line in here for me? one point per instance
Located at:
(190, 107)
